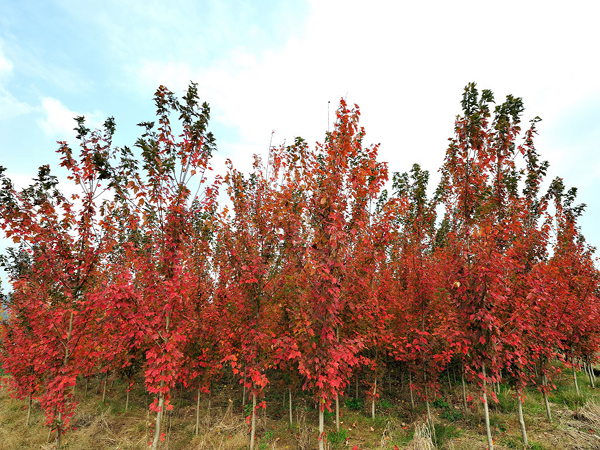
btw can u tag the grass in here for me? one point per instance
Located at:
(108, 426)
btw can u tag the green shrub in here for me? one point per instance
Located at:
(337, 438)
(355, 404)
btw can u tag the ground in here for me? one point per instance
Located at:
(106, 425)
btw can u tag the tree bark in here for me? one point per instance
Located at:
(464, 390)
(253, 431)
(337, 413)
(373, 400)
(521, 420)
(161, 404)
(29, 410)
(244, 389)
(321, 428)
(487, 412)
(290, 406)
(104, 389)
(545, 383)
(208, 408)
(412, 398)
(575, 380)
(197, 413)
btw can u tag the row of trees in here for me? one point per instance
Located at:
(311, 267)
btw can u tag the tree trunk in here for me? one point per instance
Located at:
(356, 395)
(487, 412)
(208, 408)
(197, 413)
(590, 373)
(244, 389)
(429, 418)
(29, 410)
(161, 404)
(521, 420)
(253, 431)
(66, 359)
(58, 429)
(575, 380)
(104, 390)
(321, 428)
(290, 405)
(545, 384)
(127, 400)
(337, 413)
(86, 385)
(373, 400)
(464, 390)
(412, 398)
(161, 395)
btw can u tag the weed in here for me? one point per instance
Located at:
(264, 441)
(440, 403)
(337, 438)
(355, 404)
(451, 415)
(384, 405)
(499, 424)
(444, 433)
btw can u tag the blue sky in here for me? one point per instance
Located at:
(267, 66)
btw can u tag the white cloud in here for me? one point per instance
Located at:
(9, 106)
(6, 66)
(405, 65)
(59, 122)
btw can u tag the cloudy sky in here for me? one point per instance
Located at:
(266, 65)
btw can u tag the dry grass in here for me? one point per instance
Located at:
(576, 423)
(422, 439)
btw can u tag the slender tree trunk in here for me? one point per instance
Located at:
(590, 373)
(487, 412)
(464, 391)
(253, 431)
(545, 384)
(521, 420)
(429, 418)
(29, 409)
(373, 400)
(290, 406)
(161, 397)
(159, 415)
(58, 434)
(356, 394)
(67, 354)
(244, 389)
(127, 400)
(449, 382)
(104, 389)
(321, 428)
(197, 413)
(209, 402)
(575, 380)
(412, 398)
(337, 412)
(86, 385)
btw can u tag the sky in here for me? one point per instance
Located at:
(283, 66)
